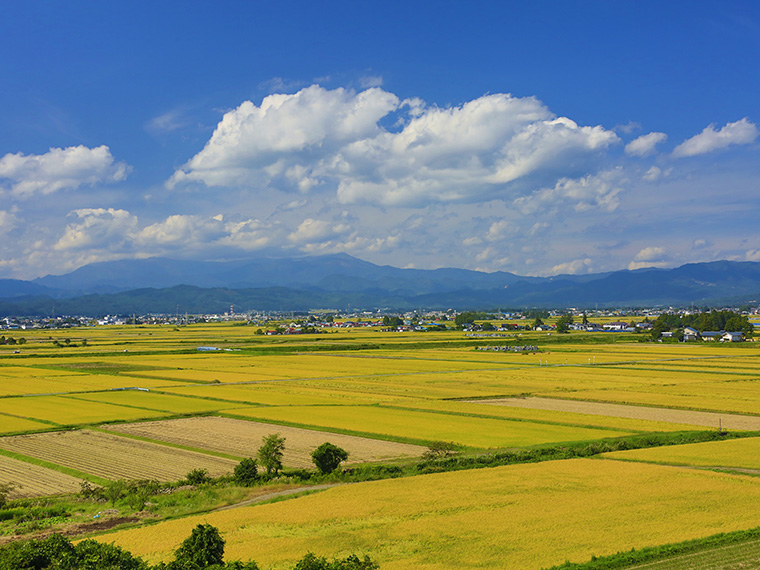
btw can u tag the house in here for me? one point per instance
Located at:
(711, 335)
(619, 326)
(732, 337)
(690, 333)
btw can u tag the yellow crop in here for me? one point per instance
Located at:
(524, 516)
(471, 431)
(733, 453)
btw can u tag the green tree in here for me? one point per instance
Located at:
(327, 457)
(563, 323)
(198, 476)
(352, 562)
(537, 322)
(113, 491)
(203, 548)
(246, 473)
(270, 453)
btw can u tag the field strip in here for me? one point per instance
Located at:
(276, 494)
(30, 480)
(242, 438)
(706, 419)
(729, 557)
(110, 456)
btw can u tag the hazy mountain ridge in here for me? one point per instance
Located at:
(341, 281)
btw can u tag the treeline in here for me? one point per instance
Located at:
(202, 550)
(706, 321)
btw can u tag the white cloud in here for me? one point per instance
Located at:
(60, 168)
(573, 267)
(740, 132)
(8, 222)
(334, 140)
(645, 144)
(652, 256)
(256, 145)
(370, 81)
(590, 192)
(311, 231)
(97, 228)
(652, 174)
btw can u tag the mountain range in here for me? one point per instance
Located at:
(339, 281)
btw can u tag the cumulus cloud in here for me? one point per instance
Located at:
(573, 267)
(709, 140)
(259, 144)
(590, 192)
(649, 257)
(8, 222)
(311, 231)
(59, 168)
(335, 139)
(97, 228)
(645, 144)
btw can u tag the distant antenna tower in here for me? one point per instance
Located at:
(232, 310)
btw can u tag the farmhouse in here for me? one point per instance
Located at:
(732, 337)
(690, 333)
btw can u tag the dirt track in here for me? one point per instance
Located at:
(706, 419)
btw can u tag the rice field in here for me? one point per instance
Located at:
(110, 456)
(730, 454)
(66, 411)
(31, 480)
(523, 516)
(424, 426)
(243, 438)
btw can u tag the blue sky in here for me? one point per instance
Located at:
(538, 138)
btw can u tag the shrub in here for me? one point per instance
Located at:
(327, 457)
(198, 477)
(246, 473)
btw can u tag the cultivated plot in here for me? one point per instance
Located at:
(523, 516)
(114, 457)
(729, 454)
(427, 426)
(31, 480)
(243, 438)
(683, 418)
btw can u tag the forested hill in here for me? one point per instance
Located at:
(343, 282)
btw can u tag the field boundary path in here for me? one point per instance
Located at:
(275, 494)
(707, 419)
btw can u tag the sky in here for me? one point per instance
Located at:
(538, 138)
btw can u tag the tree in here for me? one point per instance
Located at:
(563, 323)
(439, 450)
(204, 547)
(246, 473)
(327, 457)
(537, 322)
(270, 453)
(113, 491)
(198, 476)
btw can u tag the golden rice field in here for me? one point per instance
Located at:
(681, 419)
(110, 456)
(31, 480)
(427, 426)
(242, 438)
(11, 424)
(523, 516)
(732, 453)
(64, 410)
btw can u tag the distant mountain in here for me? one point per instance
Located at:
(341, 282)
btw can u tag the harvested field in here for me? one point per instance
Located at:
(34, 481)
(113, 457)
(243, 438)
(706, 419)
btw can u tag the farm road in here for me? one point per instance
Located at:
(707, 419)
(274, 495)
